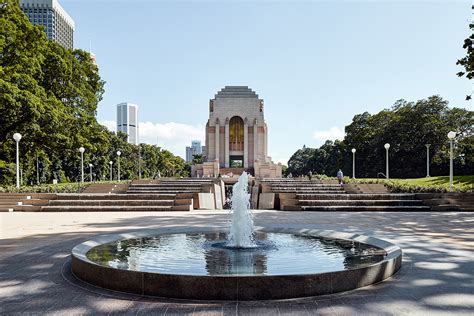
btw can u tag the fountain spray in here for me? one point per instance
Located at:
(241, 230)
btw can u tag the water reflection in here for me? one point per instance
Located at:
(206, 254)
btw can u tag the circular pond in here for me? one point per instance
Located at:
(198, 265)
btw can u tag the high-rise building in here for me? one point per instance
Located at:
(58, 24)
(189, 154)
(127, 121)
(195, 149)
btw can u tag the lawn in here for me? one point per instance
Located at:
(464, 182)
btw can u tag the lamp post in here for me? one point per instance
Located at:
(118, 164)
(17, 137)
(451, 136)
(353, 163)
(81, 150)
(111, 163)
(90, 170)
(428, 160)
(387, 146)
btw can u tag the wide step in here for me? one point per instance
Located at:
(69, 208)
(124, 203)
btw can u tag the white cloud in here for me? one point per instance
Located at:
(171, 136)
(111, 125)
(331, 134)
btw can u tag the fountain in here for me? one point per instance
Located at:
(241, 229)
(241, 264)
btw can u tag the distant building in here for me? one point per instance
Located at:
(195, 149)
(58, 24)
(127, 121)
(189, 154)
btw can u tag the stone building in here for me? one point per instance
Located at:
(237, 136)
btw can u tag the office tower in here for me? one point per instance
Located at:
(195, 149)
(58, 24)
(127, 121)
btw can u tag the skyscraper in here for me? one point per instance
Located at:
(58, 25)
(195, 149)
(127, 121)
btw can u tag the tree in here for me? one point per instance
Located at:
(468, 61)
(407, 127)
(50, 95)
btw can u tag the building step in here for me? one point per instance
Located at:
(111, 202)
(419, 208)
(355, 196)
(138, 196)
(360, 202)
(21, 208)
(162, 192)
(64, 208)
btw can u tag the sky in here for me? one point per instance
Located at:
(315, 63)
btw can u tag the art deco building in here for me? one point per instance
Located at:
(237, 135)
(58, 25)
(127, 121)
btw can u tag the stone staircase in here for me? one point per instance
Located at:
(141, 195)
(305, 195)
(99, 202)
(106, 188)
(463, 202)
(24, 202)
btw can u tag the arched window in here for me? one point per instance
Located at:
(236, 134)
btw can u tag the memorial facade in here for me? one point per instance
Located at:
(237, 135)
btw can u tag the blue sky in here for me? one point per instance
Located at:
(316, 63)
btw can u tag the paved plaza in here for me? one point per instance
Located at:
(437, 276)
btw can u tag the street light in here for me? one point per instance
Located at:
(81, 150)
(17, 137)
(451, 136)
(387, 146)
(90, 170)
(118, 162)
(428, 160)
(353, 163)
(111, 163)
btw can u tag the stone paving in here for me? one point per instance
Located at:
(437, 276)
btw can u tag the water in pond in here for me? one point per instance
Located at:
(208, 254)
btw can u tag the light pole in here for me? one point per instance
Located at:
(17, 137)
(90, 170)
(387, 146)
(428, 160)
(111, 163)
(118, 164)
(353, 163)
(81, 150)
(451, 136)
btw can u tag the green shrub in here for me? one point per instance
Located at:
(47, 188)
(397, 187)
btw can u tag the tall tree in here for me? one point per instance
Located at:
(468, 61)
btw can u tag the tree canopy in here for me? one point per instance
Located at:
(407, 127)
(467, 62)
(50, 94)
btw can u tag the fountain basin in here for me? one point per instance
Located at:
(218, 273)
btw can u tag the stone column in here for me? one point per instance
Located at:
(246, 143)
(227, 162)
(266, 142)
(255, 141)
(218, 131)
